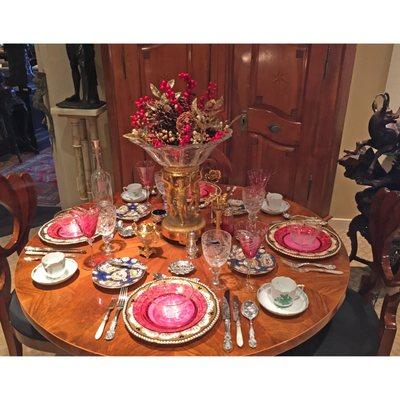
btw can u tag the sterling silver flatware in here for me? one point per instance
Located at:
(49, 249)
(123, 296)
(309, 263)
(250, 311)
(43, 253)
(226, 316)
(288, 216)
(326, 271)
(103, 323)
(122, 264)
(28, 259)
(236, 318)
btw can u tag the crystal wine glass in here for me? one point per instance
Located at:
(145, 170)
(258, 177)
(253, 197)
(250, 235)
(160, 185)
(216, 245)
(106, 226)
(87, 219)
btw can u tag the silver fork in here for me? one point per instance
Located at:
(102, 325)
(123, 295)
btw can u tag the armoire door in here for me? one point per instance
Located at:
(283, 92)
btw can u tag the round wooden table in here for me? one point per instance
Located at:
(69, 314)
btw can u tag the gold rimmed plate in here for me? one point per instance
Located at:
(325, 245)
(202, 294)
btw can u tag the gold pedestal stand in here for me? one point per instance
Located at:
(182, 195)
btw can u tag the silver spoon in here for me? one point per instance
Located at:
(250, 311)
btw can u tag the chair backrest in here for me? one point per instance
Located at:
(218, 160)
(18, 196)
(384, 232)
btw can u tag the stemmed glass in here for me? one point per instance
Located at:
(87, 219)
(216, 245)
(160, 185)
(145, 170)
(250, 235)
(258, 177)
(253, 197)
(106, 226)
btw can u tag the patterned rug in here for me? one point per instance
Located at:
(41, 168)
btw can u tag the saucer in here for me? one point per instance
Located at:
(39, 275)
(284, 207)
(265, 299)
(126, 196)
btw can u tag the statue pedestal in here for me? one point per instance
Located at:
(83, 124)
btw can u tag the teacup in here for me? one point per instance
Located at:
(133, 190)
(274, 201)
(284, 291)
(54, 264)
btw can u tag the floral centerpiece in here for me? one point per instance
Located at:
(179, 131)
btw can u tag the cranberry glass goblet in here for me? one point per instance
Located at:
(87, 218)
(145, 171)
(250, 235)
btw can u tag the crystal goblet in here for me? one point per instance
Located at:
(216, 245)
(106, 226)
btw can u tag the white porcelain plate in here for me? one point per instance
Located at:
(265, 299)
(284, 207)
(135, 199)
(39, 275)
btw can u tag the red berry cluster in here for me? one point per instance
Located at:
(139, 118)
(190, 85)
(211, 94)
(166, 88)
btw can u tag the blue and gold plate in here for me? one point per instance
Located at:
(237, 261)
(115, 277)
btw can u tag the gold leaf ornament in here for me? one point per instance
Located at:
(171, 83)
(155, 91)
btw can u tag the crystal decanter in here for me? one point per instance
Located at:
(100, 180)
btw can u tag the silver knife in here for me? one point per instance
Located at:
(50, 249)
(226, 316)
(236, 318)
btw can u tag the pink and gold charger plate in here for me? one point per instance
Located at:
(326, 243)
(143, 319)
(62, 230)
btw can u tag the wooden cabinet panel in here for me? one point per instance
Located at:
(278, 78)
(279, 159)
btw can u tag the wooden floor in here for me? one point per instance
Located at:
(339, 226)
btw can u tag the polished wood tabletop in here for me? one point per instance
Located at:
(69, 314)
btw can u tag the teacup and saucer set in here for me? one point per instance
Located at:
(274, 204)
(283, 296)
(54, 268)
(134, 193)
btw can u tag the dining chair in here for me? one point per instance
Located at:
(356, 329)
(218, 160)
(18, 196)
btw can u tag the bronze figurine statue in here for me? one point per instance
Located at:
(81, 59)
(375, 163)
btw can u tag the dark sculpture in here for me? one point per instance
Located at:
(375, 163)
(81, 59)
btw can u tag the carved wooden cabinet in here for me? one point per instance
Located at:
(292, 99)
